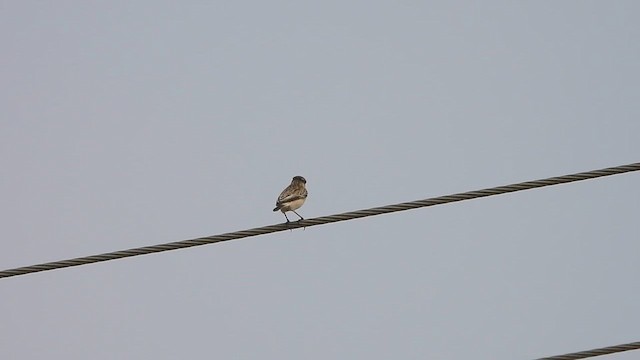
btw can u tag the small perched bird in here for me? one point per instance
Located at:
(292, 197)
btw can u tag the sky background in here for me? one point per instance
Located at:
(127, 124)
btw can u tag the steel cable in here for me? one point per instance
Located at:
(595, 352)
(322, 220)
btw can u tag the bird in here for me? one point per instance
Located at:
(292, 197)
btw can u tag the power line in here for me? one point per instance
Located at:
(596, 352)
(322, 220)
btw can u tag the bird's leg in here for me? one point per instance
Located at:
(288, 222)
(301, 218)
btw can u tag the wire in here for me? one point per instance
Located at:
(321, 220)
(596, 352)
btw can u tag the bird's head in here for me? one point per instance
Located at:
(299, 179)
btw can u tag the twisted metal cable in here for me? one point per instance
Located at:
(321, 220)
(596, 352)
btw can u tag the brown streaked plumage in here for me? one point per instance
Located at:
(292, 197)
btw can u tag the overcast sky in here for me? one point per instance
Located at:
(127, 124)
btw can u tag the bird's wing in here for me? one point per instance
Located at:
(291, 194)
(289, 198)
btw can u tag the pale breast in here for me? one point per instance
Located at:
(293, 205)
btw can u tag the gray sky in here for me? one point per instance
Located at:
(126, 124)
